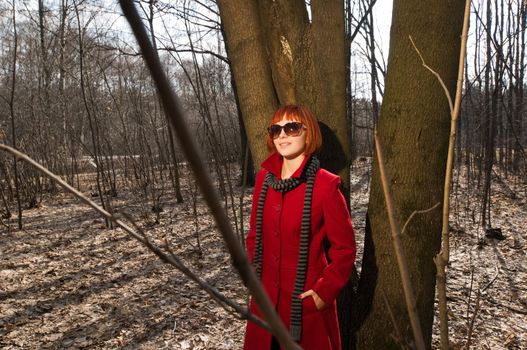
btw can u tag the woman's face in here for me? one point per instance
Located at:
(290, 147)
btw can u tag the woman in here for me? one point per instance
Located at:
(295, 206)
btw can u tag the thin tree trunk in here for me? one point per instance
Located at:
(98, 164)
(12, 112)
(373, 68)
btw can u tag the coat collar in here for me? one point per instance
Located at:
(273, 164)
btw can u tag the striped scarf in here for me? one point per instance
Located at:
(285, 185)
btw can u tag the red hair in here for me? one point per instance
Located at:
(303, 115)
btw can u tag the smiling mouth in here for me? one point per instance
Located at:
(284, 144)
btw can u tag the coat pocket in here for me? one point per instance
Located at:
(308, 305)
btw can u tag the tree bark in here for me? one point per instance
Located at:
(414, 131)
(249, 63)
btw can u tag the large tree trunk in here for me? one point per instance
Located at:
(414, 132)
(249, 63)
(279, 57)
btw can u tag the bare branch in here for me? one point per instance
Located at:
(361, 21)
(398, 336)
(441, 259)
(176, 119)
(417, 212)
(473, 318)
(411, 303)
(434, 73)
(206, 52)
(140, 236)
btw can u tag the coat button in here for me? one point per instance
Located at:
(278, 207)
(276, 233)
(275, 257)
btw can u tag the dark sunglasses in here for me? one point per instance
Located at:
(291, 129)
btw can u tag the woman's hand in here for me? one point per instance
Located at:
(319, 303)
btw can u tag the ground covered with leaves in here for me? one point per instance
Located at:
(67, 281)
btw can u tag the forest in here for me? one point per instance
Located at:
(131, 132)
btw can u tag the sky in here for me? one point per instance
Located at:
(361, 80)
(382, 12)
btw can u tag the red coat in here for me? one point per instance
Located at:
(282, 217)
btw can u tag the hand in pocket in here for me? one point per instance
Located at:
(319, 303)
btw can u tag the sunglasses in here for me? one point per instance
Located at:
(290, 129)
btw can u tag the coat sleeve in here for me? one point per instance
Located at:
(341, 236)
(250, 240)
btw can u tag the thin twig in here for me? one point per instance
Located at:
(215, 294)
(415, 213)
(447, 93)
(511, 308)
(361, 21)
(398, 337)
(472, 320)
(492, 280)
(411, 304)
(470, 289)
(176, 119)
